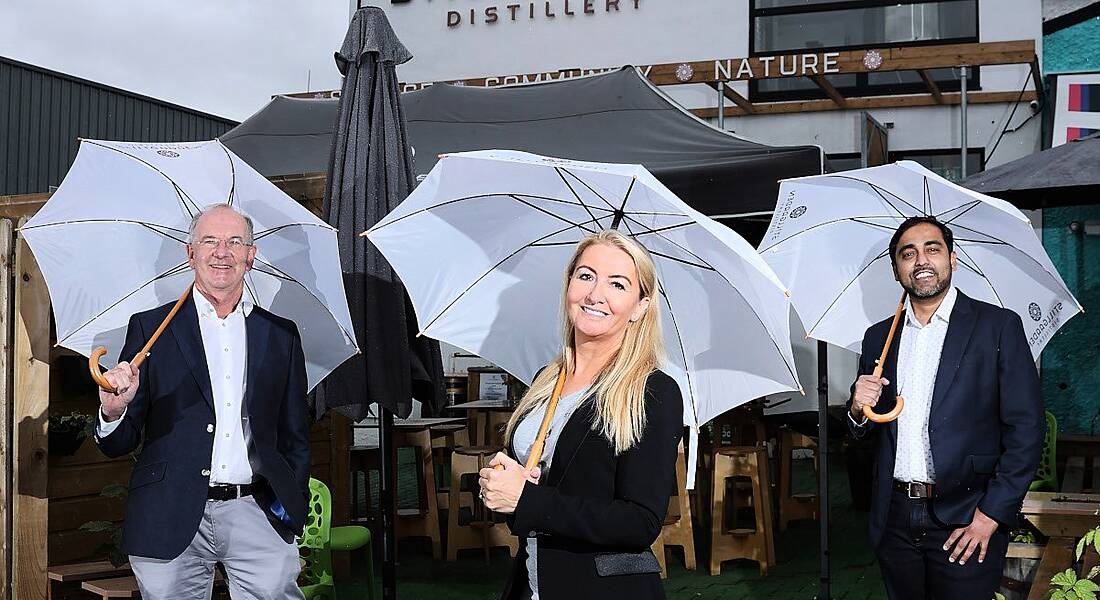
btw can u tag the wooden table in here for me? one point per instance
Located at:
(485, 418)
(1058, 514)
(79, 572)
(424, 520)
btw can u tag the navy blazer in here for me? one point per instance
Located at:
(985, 425)
(172, 416)
(593, 502)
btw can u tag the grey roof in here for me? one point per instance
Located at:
(616, 117)
(1060, 176)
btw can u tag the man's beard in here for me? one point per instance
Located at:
(922, 294)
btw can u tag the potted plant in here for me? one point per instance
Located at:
(67, 432)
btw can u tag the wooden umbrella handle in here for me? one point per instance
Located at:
(93, 360)
(540, 439)
(900, 403)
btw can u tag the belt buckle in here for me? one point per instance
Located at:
(913, 485)
(237, 491)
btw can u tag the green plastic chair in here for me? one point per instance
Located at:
(1046, 476)
(318, 541)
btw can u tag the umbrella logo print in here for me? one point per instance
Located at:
(798, 212)
(168, 153)
(1035, 312)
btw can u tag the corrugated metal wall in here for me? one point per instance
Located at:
(42, 113)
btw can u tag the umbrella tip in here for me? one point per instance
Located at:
(801, 390)
(441, 156)
(787, 293)
(364, 234)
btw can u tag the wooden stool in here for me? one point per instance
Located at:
(482, 531)
(445, 439)
(754, 544)
(422, 521)
(677, 530)
(794, 506)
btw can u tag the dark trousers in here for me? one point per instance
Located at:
(915, 566)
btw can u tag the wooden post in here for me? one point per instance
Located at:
(8, 310)
(30, 415)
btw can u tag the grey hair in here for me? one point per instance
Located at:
(219, 206)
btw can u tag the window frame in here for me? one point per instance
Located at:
(862, 87)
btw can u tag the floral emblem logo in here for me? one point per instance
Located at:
(168, 153)
(1035, 312)
(798, 212)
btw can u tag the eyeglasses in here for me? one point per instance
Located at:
(234, 244)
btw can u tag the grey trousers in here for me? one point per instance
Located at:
(260, 564)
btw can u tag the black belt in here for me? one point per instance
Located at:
(915, 490)
(229, 491)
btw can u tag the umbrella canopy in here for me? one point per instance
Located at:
(829, 241)
(1060, 176)
(134, 202)
(615, 117)
(481, 245)
(370, 174)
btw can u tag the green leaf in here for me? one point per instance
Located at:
(1094, 572)
(1084, 586)
(114, 490)
(1057, 595)
(98, 526)
(1065, 578)
(998, 596)
(1081, 546)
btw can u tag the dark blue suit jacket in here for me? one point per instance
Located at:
(172, 416)
(986, 423)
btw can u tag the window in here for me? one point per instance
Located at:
(945, 163)
(786, 26)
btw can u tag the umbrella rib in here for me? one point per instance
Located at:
(232, 175)
(490, 270)
(558, 170)
(927, 197)
(737, 291)
(823, 224)
(626, 196)
(558, 217)
(590, 188)
(179, 191)
(682, 261)
(463, 199)
(267, 232)
(845, 289)
(651, 231)
(974, 267)
(279, 274)
(878, 190)
(969, 208)
(154, 228)
(180, 268)
(551, 244)
(683, 352)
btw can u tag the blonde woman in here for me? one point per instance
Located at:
(587, 522)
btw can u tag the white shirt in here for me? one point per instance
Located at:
(918, 363)
(225, 344)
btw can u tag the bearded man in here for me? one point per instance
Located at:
(951, 472)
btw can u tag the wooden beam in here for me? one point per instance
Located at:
(930, 83)
(7, 259)
(1037, 75)
(733, 96)
(829, 90)
(1057, 557)
(769, 67)
(30, 413)
(21, 205)
(771, 108)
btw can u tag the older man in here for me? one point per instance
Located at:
(219, 411)
(951, 472)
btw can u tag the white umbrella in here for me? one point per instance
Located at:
(110, 243)
(481, 246)
(829, 240)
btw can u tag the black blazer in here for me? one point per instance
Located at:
(593, 502)
(985, 425)
(173, 414)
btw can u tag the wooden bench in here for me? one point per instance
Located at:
(76, 573)
(127, 587)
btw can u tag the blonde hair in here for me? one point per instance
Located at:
(620, 387)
